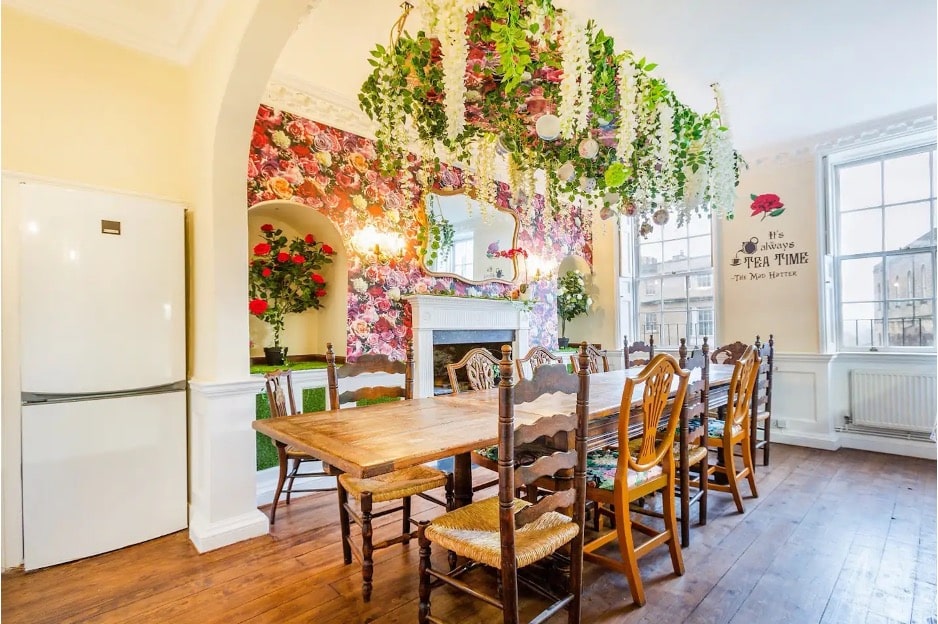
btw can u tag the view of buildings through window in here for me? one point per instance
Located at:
(671, 274)
(883, 220)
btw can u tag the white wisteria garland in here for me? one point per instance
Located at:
(576, 82)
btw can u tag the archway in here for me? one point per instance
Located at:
(306, 333)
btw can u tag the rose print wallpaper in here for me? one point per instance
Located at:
(332, 171)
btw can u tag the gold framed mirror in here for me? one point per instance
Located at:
(464, 242)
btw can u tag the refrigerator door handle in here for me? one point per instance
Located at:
(33, 398)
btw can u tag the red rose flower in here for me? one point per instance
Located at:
(267, 228)
(318, 278)
(326, 249)
(309, 239)
(283, 257)
(765, 203)
(257, 306)
(266, 272)
(298, 259)
(382, 325)
(320, 293)
(261, 249)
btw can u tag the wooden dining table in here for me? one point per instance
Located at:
(376, 439)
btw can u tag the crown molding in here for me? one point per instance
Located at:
(909, 122)
(292, 94)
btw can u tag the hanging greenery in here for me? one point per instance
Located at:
(556, 95)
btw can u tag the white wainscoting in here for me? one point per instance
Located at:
(811, 396)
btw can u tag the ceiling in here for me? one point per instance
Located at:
(789, 70)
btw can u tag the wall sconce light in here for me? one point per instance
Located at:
(375, 246)
(541, 268)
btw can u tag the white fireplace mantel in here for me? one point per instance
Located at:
(432, 312)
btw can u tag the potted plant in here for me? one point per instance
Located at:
(572, 301)
(284, 278)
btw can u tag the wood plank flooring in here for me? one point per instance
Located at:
(833, 538)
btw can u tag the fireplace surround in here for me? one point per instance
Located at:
(464, 320)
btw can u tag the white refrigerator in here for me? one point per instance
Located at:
(103, 368)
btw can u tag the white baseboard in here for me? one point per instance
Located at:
(893, 446)
(826, 442)
(208, 536)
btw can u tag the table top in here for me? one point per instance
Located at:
(376, 439)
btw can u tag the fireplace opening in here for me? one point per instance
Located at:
(449, 346)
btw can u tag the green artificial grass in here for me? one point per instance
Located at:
(314, 400)
(264, 368)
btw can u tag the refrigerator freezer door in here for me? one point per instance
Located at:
(102, 291)
(103, 474)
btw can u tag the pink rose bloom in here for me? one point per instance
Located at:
(359, 327)
(293, 175)
(383, 305)
(369, 314)
(373, 341)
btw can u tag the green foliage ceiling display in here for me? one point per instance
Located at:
(530, 83)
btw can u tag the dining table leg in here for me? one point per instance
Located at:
(462, 477)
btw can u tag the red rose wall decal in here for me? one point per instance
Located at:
(767, 204)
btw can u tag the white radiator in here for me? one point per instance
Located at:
(901, 402)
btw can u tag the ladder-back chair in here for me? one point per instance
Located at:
(399, 485)
(279, 387)
(509, 534)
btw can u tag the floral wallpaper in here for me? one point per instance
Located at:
(332, 171)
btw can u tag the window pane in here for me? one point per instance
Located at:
(699, 252)
(649, 292)
(671, 231)
(698, 225)
(911, 323)
(905, 275)
(675, 256)
(650, 259)
(626, 236)
(861, 325)
(908, 225)
(861, 231)
(860, 186)
(906, 178)
(861, 279)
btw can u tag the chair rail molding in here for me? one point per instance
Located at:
(222, 476)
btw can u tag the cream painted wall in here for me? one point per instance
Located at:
(773, 297)
(76, 108)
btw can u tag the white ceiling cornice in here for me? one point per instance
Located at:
(291, 94)
(909, 122)
(170, 29)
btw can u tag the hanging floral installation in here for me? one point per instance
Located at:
(533, 84)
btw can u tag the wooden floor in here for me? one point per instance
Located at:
(834, 537)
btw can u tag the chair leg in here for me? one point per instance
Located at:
(282, 459)
(368, 565)
(425, 566)
(296, 468)
(767, 428)
(753, 434)
(670, 523)
(405, 524)
(685, 505)
(704, 488)
(344, 523)
(748, 463)
(729, 463)
(627, 552)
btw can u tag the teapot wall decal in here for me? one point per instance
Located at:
(750, 246)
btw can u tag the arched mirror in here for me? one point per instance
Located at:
(469, 243)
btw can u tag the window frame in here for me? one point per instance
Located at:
(630, 255)
(829, 162)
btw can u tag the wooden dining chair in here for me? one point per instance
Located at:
(279, 387)
(690, 452)
(535, 357)
(637, 353)
(729, 353)
(481, 372)
(616, 478)
(598, 360)
(509, 534)
(762, 400)
(734, 430)
(392, 486)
